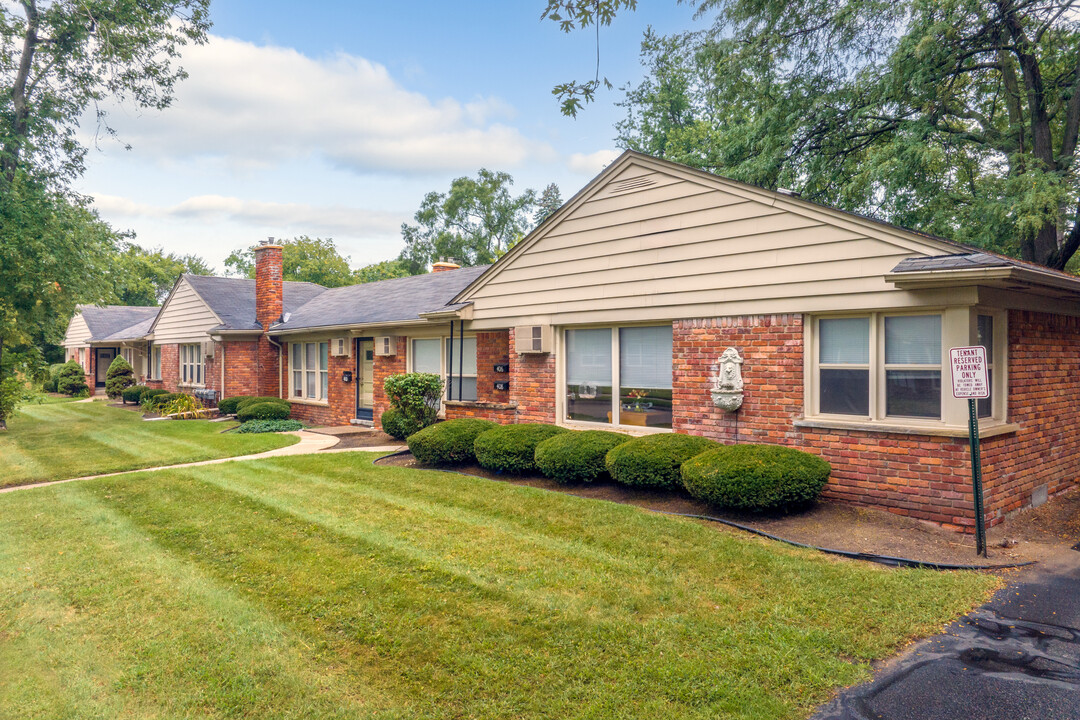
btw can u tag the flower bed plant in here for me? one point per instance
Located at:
(268, 426)
(414, 403)
(133, 394)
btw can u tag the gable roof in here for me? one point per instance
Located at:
(381, 302)
(106, 321)
(138, 331)
(233, 299)
(902, 237)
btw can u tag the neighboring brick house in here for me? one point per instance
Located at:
(615, 311)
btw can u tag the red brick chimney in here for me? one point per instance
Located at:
(444, 264)
(269, 293)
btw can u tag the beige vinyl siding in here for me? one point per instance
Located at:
(185, 317)
(78, 332)
(649, 245)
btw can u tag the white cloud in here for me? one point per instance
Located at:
(252, 105)
(290, 218)
(592, 163)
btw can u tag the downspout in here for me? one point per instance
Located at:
(450, 369)
(280, 353)
(461, 359)
(222, 369)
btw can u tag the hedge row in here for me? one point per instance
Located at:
(742, 477)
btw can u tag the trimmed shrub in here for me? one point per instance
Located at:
(512, 448)
(152, 393)
(49, 385)
(278, 410)
(229, 405)
(71, 379)
(164, 398)
(416, 396)
(448, 443)
(252, 400)
(395, 425)
(577, 456)
(119, 376)
(654, 460)
(756, 477)
(133, 394)
(266, 426)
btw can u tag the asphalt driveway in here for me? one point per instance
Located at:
(1016, 658)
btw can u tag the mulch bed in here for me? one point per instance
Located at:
(133, 408)
(1037, 534)
(365, 439)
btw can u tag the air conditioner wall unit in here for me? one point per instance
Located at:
(386, 345)
(341, 347)
(208, 348)
(530, 339)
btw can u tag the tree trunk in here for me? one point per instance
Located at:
(9, 161)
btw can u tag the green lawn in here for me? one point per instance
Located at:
(63, 440)
(324, 587)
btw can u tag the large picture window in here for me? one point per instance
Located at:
(436, 355)
(310, 366)
(191, 364)
(634, 360)
(880, 366)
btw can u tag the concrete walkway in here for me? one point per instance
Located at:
(310, 443)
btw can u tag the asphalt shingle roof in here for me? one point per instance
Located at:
(135, 332)
(233, 299)
(108, 320)
(385, 301)
(952, 262)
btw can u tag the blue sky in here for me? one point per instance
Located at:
(334, 119)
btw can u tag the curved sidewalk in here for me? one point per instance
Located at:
(309, 444)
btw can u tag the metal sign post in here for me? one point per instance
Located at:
(969, 380)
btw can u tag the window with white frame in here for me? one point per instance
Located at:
(310, 365)
(619, 376)
(984, 335)
(438, 356)
(879, 366)
(191, 364)
(155, 365)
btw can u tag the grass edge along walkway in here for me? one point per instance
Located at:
(410, 593)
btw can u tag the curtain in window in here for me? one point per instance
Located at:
(426, 356)
(844, 391)
(588, 375)
(645, 376)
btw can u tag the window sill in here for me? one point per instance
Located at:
(985, 430)
(194, 386)
(483, 404)
(305, 401)
(628, 429)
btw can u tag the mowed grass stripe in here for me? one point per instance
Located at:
(136, 632)
(55, 442)
(702, 624)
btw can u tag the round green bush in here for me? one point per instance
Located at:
(228, 406)
(278, 410)
(266, 426)
(449, 442)
(654, 460)
(163, 398)
(756, 477)
(49, 385)
(253, 399)
(577, 456)
(151, 393)
(512, 448)
(71, 379)
(398, 425)
(118, 377)
(133, 394)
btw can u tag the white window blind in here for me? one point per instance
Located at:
(645, 357)
(588, 356)
(913, 340)
(845, 341)
(426, 356)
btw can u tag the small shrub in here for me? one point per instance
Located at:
(654, 460)
(184, 407)
(13, 393)
(163, 398)
(577, 456)
(49, 385)
(448, 443)
(252, 400)
(756, 477)
(416, 396)
(278, 410)
(133, 394)
(71, 379)
(395, 425)
(267, 426)
(229, 404)
(512, 448)
(118, 377)
(152, 393)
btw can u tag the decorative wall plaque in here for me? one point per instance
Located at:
(727, 392)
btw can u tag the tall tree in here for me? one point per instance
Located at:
(550, 201)
(477, 221)
(303, 259)
(385, 270)
(145, 277)
(955, 117)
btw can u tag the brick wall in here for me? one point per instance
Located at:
(532, 385)
(241, 368)
(1044, 384)
(340, 407)
(170, 366)
(384, 368)
(492, 348)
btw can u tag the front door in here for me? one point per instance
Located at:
(365, 379)
(105, 356)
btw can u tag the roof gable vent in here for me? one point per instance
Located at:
(621, 187)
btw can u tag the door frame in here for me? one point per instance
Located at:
(97, 364)
(362, 413)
